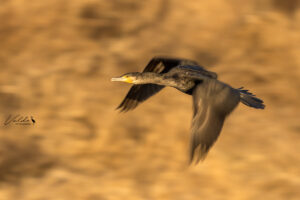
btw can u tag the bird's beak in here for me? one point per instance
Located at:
(119, 79)
(122, 79)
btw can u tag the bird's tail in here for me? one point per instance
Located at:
(250, 100)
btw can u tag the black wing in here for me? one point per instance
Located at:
(206, 124)
(139, 93)
(196, 71)
(167, 64)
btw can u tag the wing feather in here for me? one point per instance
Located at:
(206, 124)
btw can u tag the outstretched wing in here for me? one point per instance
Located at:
(139, 93)
(163, 65)
(206, 124)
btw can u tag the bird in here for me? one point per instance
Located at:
(213, 100)
(33, 121)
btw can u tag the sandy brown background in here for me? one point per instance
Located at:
(56, 61)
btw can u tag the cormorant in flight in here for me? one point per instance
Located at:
(213, 100)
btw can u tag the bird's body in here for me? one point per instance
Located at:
(213, 100)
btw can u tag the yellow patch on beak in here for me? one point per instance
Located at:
(127, 79)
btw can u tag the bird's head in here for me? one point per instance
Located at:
(133, 77)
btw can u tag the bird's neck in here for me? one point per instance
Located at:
(155, 78)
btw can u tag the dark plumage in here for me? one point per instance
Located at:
(213, 100)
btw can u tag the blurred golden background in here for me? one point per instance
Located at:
(56, 61)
